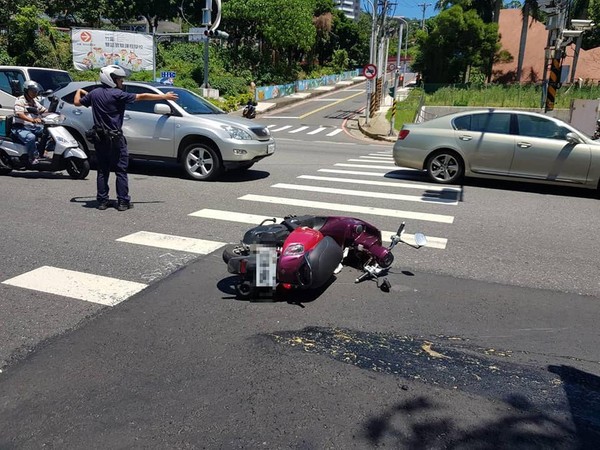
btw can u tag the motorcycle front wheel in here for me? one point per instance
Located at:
(234, 250)
(77, 168)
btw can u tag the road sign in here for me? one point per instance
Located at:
(370, 71)
(391, 66)
(168, 74)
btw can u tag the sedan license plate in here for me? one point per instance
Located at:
(270, 148)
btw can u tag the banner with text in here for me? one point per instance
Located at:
(93, 49)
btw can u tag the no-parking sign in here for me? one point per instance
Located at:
(370, 71)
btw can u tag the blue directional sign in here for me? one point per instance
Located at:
(167, 74)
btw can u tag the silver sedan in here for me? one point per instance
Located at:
(500, 144)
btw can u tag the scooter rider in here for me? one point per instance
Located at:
(27, 125)
(108, 109)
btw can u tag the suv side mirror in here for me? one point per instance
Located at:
(162, 109)
(572, 138)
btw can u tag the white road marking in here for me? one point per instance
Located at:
(381, 154)
(428, 187)
(367, 194)
(361, 172)
(376, 158)
(366, 166)
(183, 244)
(318, 130)
(333, 133)
(79, 285)
(384, 161)
(349, 208)
(251, 219)
(297, 130)
(285, 127)
(271, 126)
(280, 117)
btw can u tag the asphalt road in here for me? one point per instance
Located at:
(486, 339)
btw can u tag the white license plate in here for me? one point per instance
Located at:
(270, 148)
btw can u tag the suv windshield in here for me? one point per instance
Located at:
(192, 103)
(50, 79)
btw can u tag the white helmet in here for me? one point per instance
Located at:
(109, 73)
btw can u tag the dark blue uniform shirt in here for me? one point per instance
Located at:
(108, 106)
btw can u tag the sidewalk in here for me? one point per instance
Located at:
(377, 128)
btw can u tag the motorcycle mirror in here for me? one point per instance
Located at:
(420, 239)
(47, 93)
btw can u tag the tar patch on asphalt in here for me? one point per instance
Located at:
(444, 361)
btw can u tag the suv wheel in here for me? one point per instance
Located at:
(201, 162)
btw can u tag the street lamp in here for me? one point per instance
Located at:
(400, 33)
(579, 25)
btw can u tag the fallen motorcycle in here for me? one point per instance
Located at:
(304, 252)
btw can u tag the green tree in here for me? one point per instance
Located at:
(458, 41)
(32, 42)
(120, 11)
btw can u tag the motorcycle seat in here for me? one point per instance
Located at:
(314, 222)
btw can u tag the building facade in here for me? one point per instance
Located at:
(349, 7)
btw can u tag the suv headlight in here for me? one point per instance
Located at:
(237, 133)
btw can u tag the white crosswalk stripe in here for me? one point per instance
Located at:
(395, 184)
(282, 128)
(383, 161)
(298, 130)
(370, 174)
(367, 166)
(349, 208)
(318, 130)
(361, 193)
(333, 133)
(254, 219)
(78, 285)
(170, 242)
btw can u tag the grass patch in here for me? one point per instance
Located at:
(505, 96)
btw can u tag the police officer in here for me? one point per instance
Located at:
(108, 108)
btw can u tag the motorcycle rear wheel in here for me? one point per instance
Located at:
(234, 250)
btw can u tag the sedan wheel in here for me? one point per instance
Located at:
(201, 162)
(445, 167)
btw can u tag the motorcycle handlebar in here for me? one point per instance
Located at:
(363, 277)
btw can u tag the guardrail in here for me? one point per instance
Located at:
(282, 90)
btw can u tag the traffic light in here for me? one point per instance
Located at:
(216, 34)
(392, 91)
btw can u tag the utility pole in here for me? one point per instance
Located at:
(424, 7)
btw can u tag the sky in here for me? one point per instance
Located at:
(408, 8)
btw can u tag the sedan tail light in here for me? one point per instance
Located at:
(403, 134)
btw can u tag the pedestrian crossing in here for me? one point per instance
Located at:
(308, 130)
(350, 182)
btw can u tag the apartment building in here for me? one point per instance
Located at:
(350, 7)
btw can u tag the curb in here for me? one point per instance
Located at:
(372, 135)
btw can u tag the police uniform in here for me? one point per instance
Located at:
(108, 109)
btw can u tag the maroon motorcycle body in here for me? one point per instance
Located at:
(303, 252)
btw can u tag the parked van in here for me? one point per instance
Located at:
(13, 77)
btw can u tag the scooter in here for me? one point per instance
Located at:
(59, 148)
(249, 111)
(305, 252)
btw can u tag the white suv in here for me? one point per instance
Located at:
(13, 77)
(191, 131)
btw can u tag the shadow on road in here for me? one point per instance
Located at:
(296, 297)
(419, 423)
